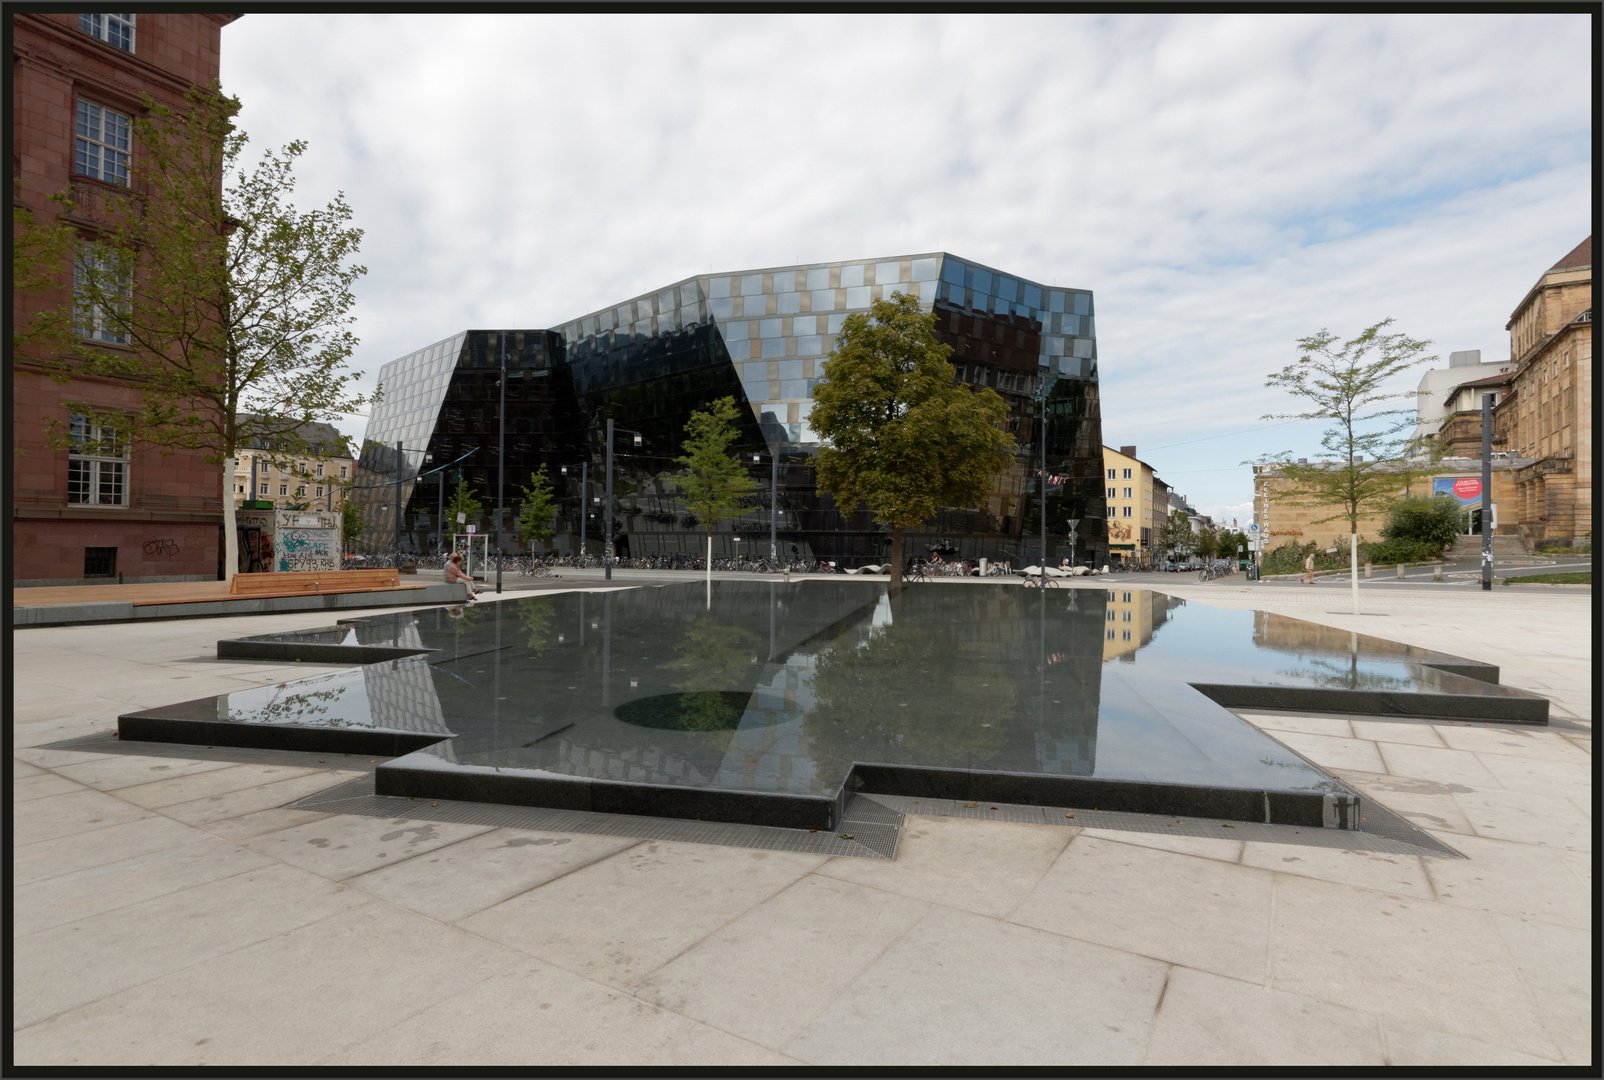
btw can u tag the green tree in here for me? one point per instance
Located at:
(1433, 520)
(1208, 544)
(351, 524)
(41, 253)
(1177, 536)
(1346, 383)
(897, 433)
(240, 317)
(463, 505)
(538, 509)
(715, 481)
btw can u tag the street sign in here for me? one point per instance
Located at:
(462, 519)
(471, 528)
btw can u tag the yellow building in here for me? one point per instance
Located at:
(1131, 616)
(1138, 503)
(316, 479)
(1547, 419)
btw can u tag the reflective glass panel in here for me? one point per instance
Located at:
(851, 276)
(819, 277)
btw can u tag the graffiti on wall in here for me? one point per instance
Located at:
(306, 540)
(164, 546)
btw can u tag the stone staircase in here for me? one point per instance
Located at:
(1468, 548)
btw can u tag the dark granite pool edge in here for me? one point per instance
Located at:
(310, 652)
(149, 726)
(1510, 707)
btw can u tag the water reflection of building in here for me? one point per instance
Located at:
(1129, 620)
(761, 337)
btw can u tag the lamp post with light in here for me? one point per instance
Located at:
(608, 526)
(774, 504)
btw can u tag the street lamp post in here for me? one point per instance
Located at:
(501, 457)
(1041, 392)
(607, 528)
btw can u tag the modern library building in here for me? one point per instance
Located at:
(762, 337)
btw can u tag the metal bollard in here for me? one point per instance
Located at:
(1400, 571)
(1369, 571)
(1436, 572)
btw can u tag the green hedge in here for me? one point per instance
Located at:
(1288, 558)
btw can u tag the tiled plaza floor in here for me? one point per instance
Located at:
(171, 910)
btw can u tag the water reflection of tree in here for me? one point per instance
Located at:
(713, 658)
(905, 689)
(535, 615)
(1337, 675)
(306, 706)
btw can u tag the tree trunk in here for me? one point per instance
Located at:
(1353, 567)
(230, 533)
(896, 555)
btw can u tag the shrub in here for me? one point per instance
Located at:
(1435, 520)
(1288, 558)
(1399, 551)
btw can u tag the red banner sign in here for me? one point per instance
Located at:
(1467, 488)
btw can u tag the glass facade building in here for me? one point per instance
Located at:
(761, 337)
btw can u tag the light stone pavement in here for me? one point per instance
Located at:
(171, 911)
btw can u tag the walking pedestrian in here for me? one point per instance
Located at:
(1308, 569)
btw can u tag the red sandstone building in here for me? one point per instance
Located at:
(99, 511)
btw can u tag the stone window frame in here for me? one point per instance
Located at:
(99, 464)
(90, 125)
(116, 29)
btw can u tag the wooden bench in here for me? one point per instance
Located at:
(316, 582)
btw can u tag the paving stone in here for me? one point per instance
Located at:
(1388, 872)
(961, 989)
(1208, 847)
(262, 822)
(1179, 908)
(1306, 723)
(69, 897)
(1556, 964)
(39, 785)
(55, 816)
(1572, 779)
(1412, 1044)
(203, 785)
(354, 972)
(1399, 731)
(244, 801)
(1527, 817)
(1334, 753)
(537, 1012)
(97, 847)
(1414, 961)
(617, 920)
(795, 952)
(76, 963)
(1514, 742)
(986, 867)
(1529, 881)
(453, 882)
(1424, 803)
(1207, 1019)
(20, 769)
(109, 772)
(1439, 766)
(344, 846)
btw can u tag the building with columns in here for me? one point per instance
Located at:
(1547, 419)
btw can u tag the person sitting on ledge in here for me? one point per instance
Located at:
(454, 574)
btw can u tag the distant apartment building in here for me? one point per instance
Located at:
(98, 508)
(1546, 421)
(1135, 498)
(1446, 404)
(316, 478)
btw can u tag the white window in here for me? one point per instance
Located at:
(1111, 635)
(320, 491)
(300, 491)
(1110, 493)
(98, 276)
(97, 465)
(264, 489)
(1125, 635)
(1111, 474)
(103, 141)
(342, 472)
(116, 29)
(1124, 511)
(1127, 475)
(1127, 493)
(320, 469)
(1125, 616)
(1110, 613)
(284, 489)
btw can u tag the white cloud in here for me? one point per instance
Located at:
(1225, 185)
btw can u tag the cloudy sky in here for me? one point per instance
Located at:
(1223, 184)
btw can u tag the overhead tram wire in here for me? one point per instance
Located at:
(1224, 435)
(411, 479)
